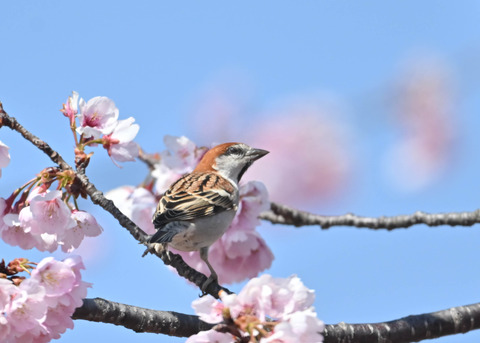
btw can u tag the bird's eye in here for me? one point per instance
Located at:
(234, 150)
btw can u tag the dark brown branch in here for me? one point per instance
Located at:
(140, 319)
(98, 198)
(455, 320)
(281, 214)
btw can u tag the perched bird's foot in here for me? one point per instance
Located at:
(156, 248)
(211, 278)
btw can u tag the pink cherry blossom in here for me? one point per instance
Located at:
(87, 226)
(47, 223)
(253, 201)
(7, 289)
(143, 207)
(40, 309)
(302, 326)
(27, 309)
(98, 116)
(164, 177)
(55, 276)
(14, 233)
(209, 309)
(79, 291)
(4, 156)
(121, 198)
(239, 255)
(274, 297)
(210, 336)
(136, 203)
(58, 320)
(182, 155)
(46, 242)
(119, 143)
(7, 292)
(285, 301)
(49, 214)
(70, 109)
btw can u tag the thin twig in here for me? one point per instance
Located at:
(281, 214)
(149, 159)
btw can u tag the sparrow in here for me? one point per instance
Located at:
(198, 208)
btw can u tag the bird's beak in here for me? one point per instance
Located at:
(255, 154)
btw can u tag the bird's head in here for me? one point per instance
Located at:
(231, 160)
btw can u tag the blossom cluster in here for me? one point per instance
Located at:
(99, 124)
(267, 310)
(39, 308)
(45, 221)
(241, 252)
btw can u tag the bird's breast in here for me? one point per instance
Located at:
(203, 232)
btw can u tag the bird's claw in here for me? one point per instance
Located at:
(206, 284)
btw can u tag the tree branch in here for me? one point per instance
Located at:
(281, 214)
(455, 320)
(415, 328)
(97, 197)
(140, 319)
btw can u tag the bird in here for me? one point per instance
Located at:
(198, 208)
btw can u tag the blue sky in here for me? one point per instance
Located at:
(157, 60)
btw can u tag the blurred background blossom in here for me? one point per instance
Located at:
(424, 109)
(308, 137)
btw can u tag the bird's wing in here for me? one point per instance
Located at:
(193, 196)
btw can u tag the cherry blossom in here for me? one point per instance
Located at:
(98, 116)
(121, 197)
(302, 326)
(209, 309)
(27, 309)
(56, 277)
(138, 204)
(86, 226)
(49, 214)
(14, 233)
(4, 156)
(47, 223)
(272, 297)
(119, 143)
(210, 336)
(70, 109)
(280, 311)
(164, 177)
(182, 155)
(40, 308)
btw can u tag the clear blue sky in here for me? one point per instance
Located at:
(156, 59)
